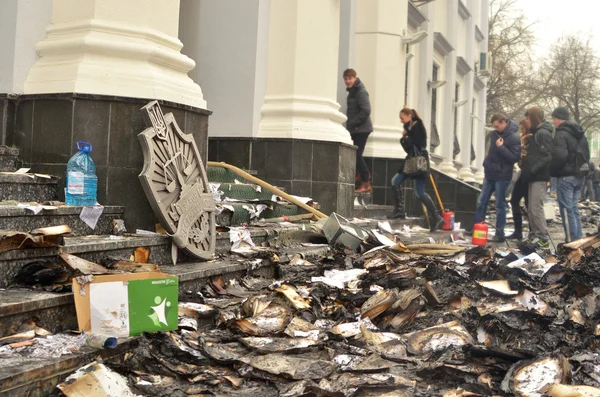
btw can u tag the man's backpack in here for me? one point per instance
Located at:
(582, 158)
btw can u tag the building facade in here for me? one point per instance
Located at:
(266, 72)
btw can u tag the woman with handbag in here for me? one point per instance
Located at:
(416, 167)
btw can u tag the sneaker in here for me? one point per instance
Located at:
(540, 242)
(497, 239)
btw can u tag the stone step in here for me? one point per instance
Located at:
(24, 220)
(223, 175)
(363, 198)
(37, 378)
(374, 211)
(28, 188)
(94, 248)
(56, 311)
(8, 158)
(244, 191)
(241, 216)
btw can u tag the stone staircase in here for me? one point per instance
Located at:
(56, 311)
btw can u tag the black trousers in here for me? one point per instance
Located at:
(520, 191)
(360, 140)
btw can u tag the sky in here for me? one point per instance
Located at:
(562, 16)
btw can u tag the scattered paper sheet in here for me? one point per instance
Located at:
(36, 209)
(237, 236)
(385, 226)
(255, 211)
(22, 170)
(338, 278)
(90, 215)
(383, 239)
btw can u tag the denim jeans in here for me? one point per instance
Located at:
(569, 188)
(420, 183)
(499, 189)
(597, 191)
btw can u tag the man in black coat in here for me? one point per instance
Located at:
(570, 164)
(359, 124)
(503, 153)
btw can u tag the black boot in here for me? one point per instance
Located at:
(435, 219)
(518, 219)
(398, 203)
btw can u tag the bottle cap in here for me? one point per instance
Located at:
(84, 147)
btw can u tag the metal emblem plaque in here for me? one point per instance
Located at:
(175, 182)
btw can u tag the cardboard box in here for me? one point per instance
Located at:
(124, 305)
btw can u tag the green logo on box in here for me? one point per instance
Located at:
(153, 305)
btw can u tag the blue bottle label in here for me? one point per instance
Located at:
(75, 183)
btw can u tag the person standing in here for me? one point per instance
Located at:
(520, 188)
(596, 182)
(414, 142)
(359, 124)
(536, 173)
(570, 164)
(588, 192)
(504, 151)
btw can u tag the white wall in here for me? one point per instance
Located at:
(227, 42)
(22, 24)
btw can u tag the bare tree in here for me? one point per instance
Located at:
(575, 83)
(515, 83)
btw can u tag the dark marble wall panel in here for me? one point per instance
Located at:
(46, 128)
(321, 170)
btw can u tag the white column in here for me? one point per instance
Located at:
(115, 47)
(482, 106)
(447, 110)
(347, 45)
(465, 172)
(425, 64)
(22, 25)
(380, 63)
(303, 72)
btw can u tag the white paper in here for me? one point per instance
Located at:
(383, 239)
(303, 200)
(385, 226)
(109, 309)
(338, 278)
(237, 236)
(255, 211)
(215, 189)
(90, 215)
(258, 188)
(532, 264)
(142, 232)
(22, 170)
(36, 209)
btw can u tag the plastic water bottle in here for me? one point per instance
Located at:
(82, 182)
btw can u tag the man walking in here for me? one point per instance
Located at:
(503, 153)
(359, 124)
(570, 164)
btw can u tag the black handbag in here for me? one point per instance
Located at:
(416, 164)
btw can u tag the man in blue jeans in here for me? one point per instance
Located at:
(570, 164)
(503, 153)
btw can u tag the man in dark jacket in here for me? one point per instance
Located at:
(570, 164)
(359, 124)
(536, 172)
(503, 153)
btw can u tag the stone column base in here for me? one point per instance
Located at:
(47, 127)
(321, 170)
